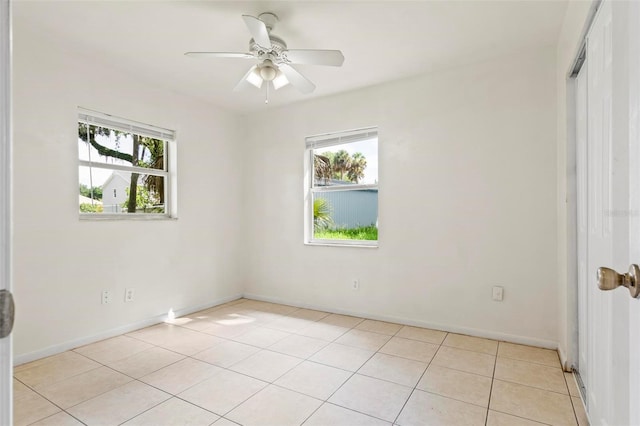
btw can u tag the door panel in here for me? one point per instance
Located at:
(600, 237)
(609, 353)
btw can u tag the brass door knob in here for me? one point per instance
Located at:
(7, 313)
(608, 279)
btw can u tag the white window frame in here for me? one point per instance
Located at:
(168, 172)
(325, 141)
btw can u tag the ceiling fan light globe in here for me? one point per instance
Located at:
(268, 73)
(254, 78)
(280, 80)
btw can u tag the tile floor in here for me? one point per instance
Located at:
(256, 363)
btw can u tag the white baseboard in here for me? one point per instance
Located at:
(488, 334)
(72, 344)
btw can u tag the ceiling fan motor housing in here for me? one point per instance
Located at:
(277, 47)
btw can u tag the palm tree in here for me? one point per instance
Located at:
(341, 163)
(322, 168)
(321, 214)
(358, 165)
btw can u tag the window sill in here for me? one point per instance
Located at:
(333, 244)
(89, 217)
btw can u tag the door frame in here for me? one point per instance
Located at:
(6, 355)
(577, 228)
(571, 361)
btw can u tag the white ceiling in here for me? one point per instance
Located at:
(381, 40)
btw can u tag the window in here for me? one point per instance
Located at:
(342, 196)
(123, 167)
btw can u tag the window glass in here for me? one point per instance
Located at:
(344, 189)
(347, 164)
(120, 172)
(109, 146)
(346, 215)
(111, 191)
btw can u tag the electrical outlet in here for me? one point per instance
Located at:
(498, 293)
(355, 284)
(106, 297)
(128, 294)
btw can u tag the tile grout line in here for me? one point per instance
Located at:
(462, 371)
(253, 394)
(191, 357)
(43, 397)
(418, 382)
(297, 332)
(532, 387)
(493, 377)
(573, 406)
(172, 395)
(530, 362)
(312, 413)
(150, 408)
(246, 375)
(356, 372)
(353, 373)
(264, 326)
(452, 398)
(133, 379)
(55, 414)
(73, 375)
(34, 390)
(524, 418)
(228, 368)
(348, 409)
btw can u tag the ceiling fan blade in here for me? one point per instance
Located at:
(244, 83)
(296, 79)
(333, 58)
(219, 55)
(258, 31)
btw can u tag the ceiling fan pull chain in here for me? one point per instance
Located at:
(266, 99)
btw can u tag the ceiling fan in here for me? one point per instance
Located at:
(274, 58)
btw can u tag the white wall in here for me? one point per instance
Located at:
(471, 196)
(61, 263)
(573, 28)
(468, 176)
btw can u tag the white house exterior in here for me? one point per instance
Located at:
(114, 192)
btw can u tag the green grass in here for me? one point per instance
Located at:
(360, 233)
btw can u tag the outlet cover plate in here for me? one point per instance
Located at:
(128, 294)
(498, 293)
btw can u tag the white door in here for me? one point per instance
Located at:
(5, 198)
(610, 349)
(599, 250)
(633, 25)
